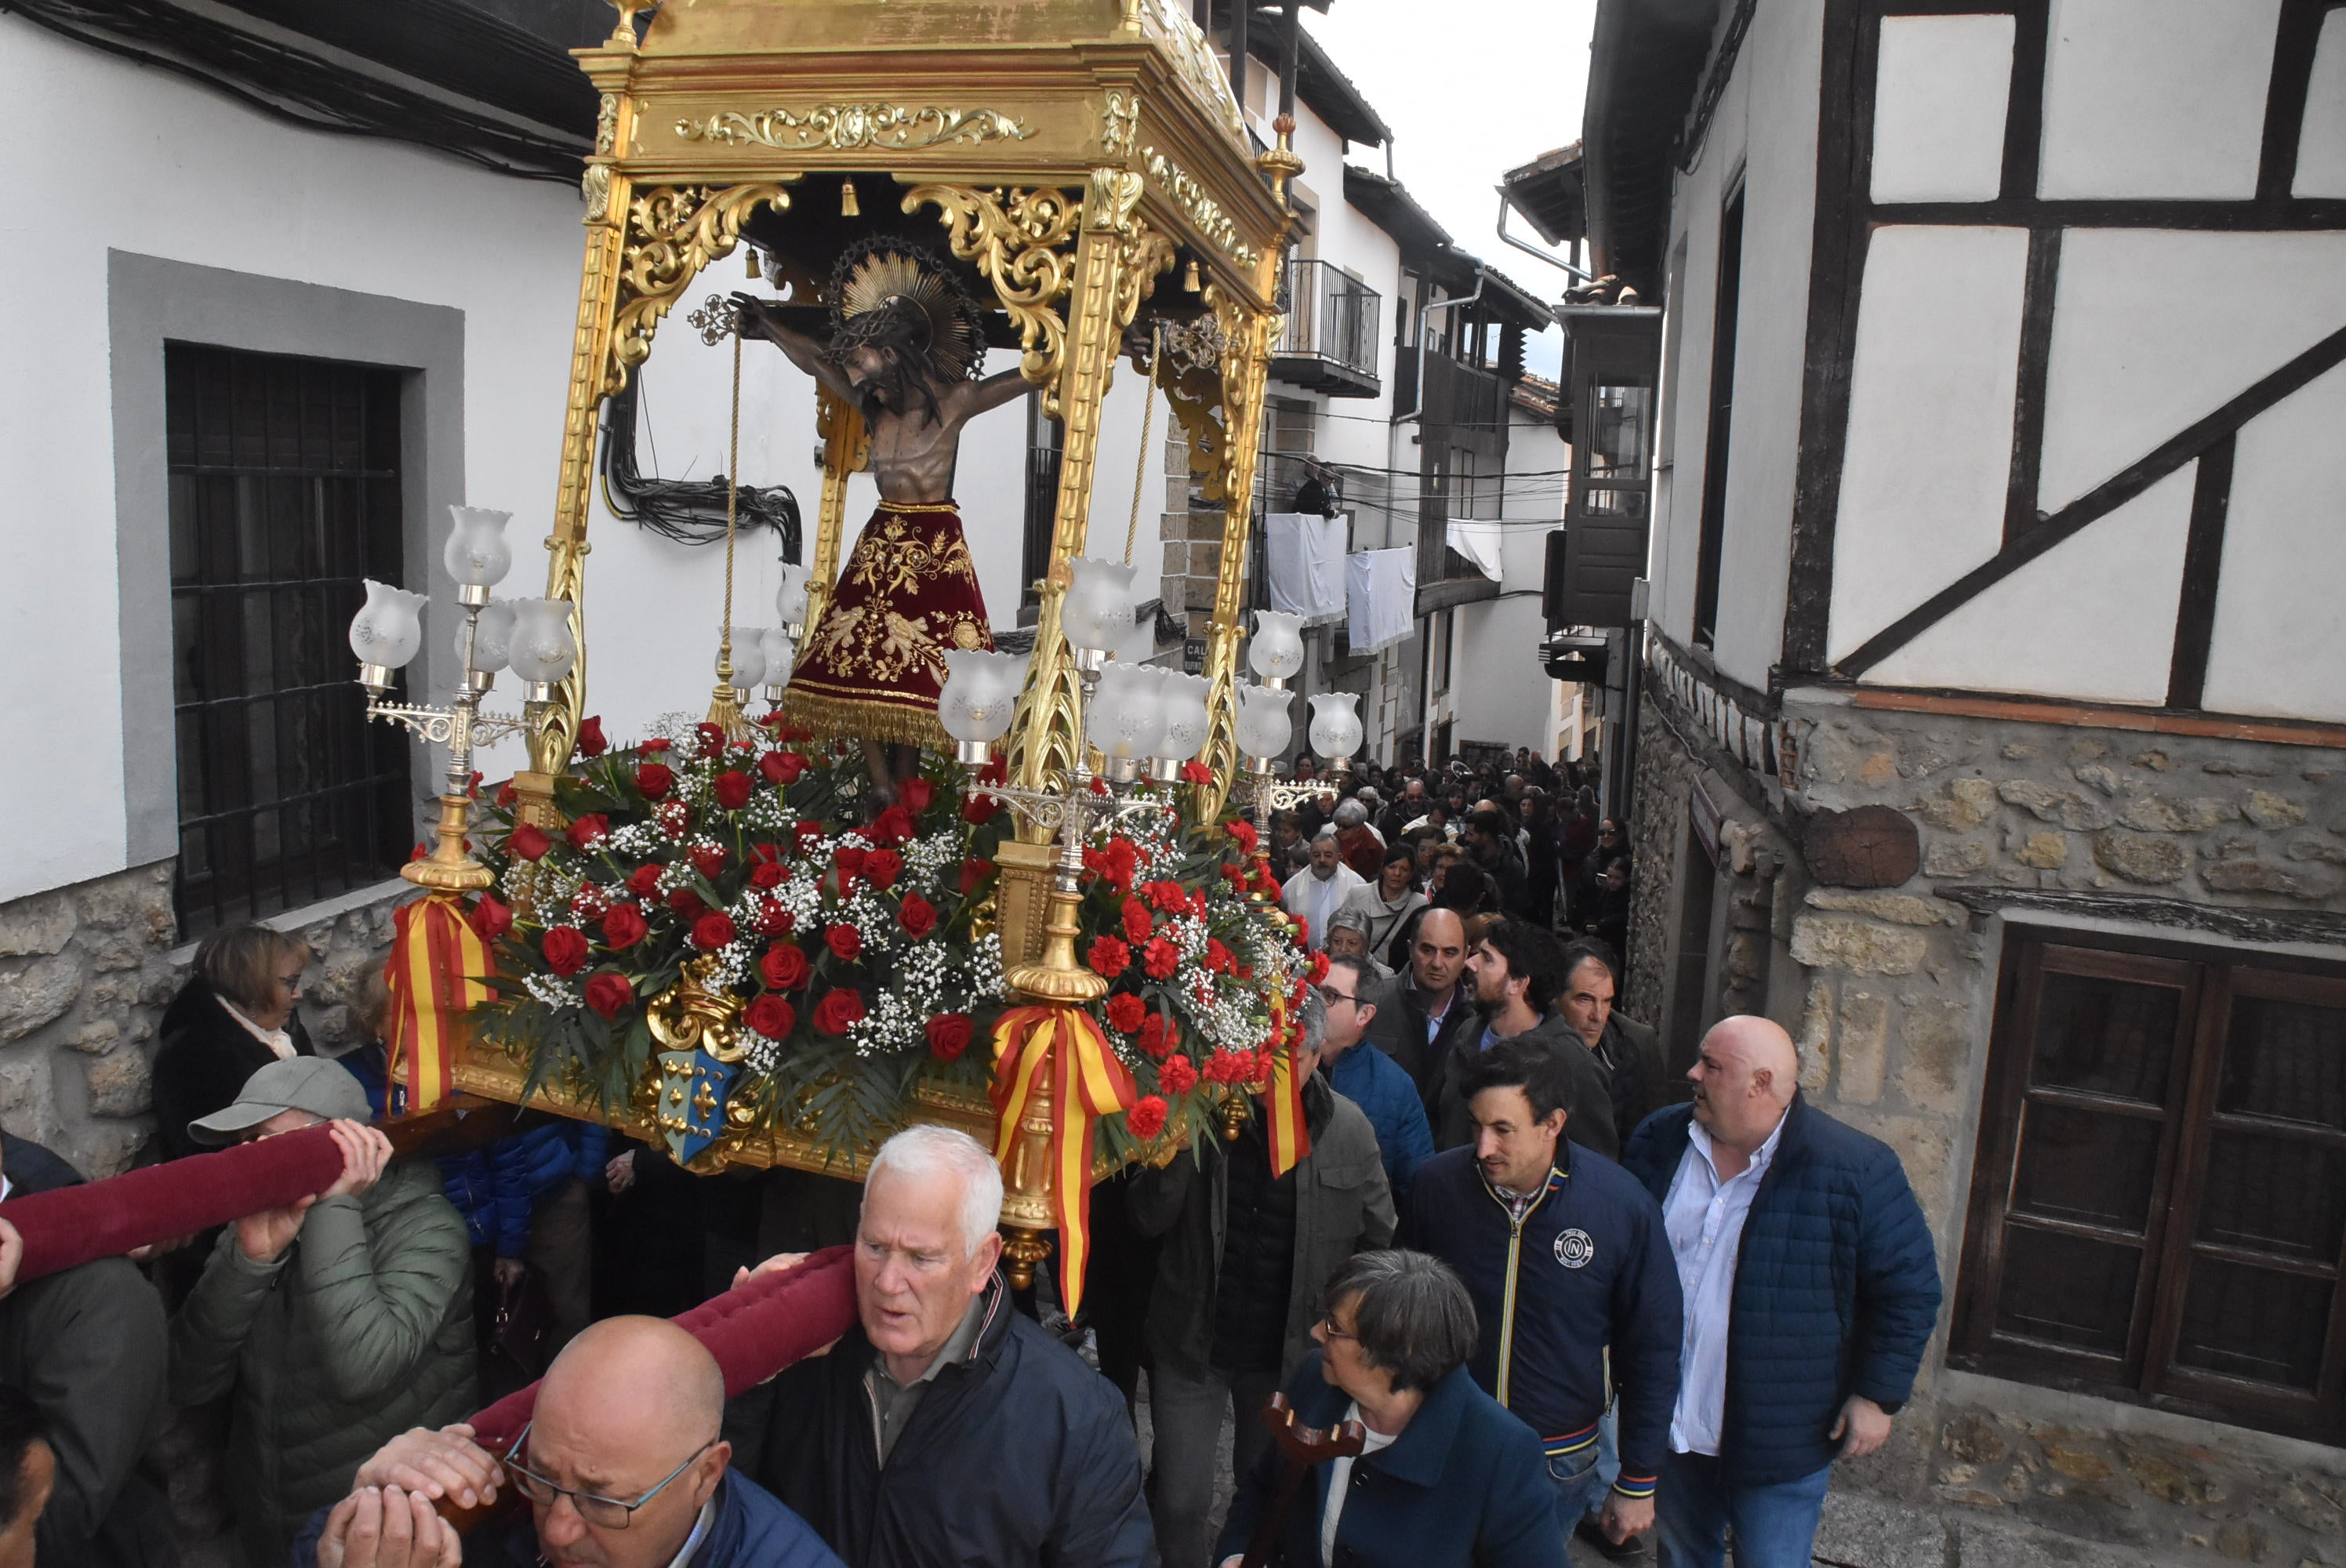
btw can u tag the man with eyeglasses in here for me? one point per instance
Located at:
(623, 1465)
(1371, 1079)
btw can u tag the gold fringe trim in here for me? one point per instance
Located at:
(864, 719)
(952, 507)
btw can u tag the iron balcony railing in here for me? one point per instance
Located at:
(1331, 317)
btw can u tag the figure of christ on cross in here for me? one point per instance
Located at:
(905, 346)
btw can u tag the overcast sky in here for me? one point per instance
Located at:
(1470, 88)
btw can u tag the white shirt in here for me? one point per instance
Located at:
(1314, 899)
(1339, 1482)
(1704, 1218)
(277, 1039)
(700, 1525)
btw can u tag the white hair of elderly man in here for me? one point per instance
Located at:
(927, 1153)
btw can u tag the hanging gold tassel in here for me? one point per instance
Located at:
(752, 253)
(847, 204)
(1190, 279)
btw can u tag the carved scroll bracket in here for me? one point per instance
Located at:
(672, 233)
(1016, 238)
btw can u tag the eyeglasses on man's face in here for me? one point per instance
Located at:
(604, 1512)
(1329, 1330)
(1331, 995)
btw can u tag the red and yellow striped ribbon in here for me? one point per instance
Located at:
(1283, 1099)
(1085, 1080)
(435, 961)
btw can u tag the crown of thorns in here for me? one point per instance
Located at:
(885, 293)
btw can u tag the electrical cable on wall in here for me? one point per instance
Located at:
(690, 512)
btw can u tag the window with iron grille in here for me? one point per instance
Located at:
(284, 496)
(2159, 1205)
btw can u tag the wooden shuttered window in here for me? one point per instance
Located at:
(2159, 1208)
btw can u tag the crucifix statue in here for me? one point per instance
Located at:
(906, 347)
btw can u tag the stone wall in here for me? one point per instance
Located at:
(1664, 776)
(85, 971)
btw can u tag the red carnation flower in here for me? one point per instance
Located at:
(654, 780)
(590, 738)
(771, 1016)
(623, 926)
(528, 842)
(1109, 957)
(1218, 957)
(588, 830)
(1147, 1119)
(769, 874)
(565, 950)
(1099, 786)
(917, 915)
(711, 739)
(773, 920)
(784, 967)
(1171, 898)
(845, 941)
(1197, 773)
(709, 859)
(712, 930)
(1156, 1040)
(1243, 832)
(839, 1010)
(1126, 1012)
(1176, 1076)
(1319, 970)
(492, 918)
(917, 794)
(949, 1036)
(781, 766)
(732, 790)
(608, 994)
(1160, 958)
(506, 798)
(980, 810)
(974, 872)
(1137, 926)
(882, 867)
(644, 880)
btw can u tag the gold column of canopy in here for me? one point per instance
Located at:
(1072, 152)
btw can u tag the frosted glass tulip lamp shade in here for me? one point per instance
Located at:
(1096, 613)
(1264, 725)
(781, 658)
(1276, 651)
(980, 695)
(790, 599)
(385, 633)
(492, 637)
(1185, 723)
(1336, 727)
(476, 554)
(749, 656)
(542, 652)
(1124, 717)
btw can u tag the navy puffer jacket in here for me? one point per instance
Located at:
(1836, 1287)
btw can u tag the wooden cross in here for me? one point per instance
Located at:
(1301, 1449)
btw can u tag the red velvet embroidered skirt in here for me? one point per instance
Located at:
(872, 666)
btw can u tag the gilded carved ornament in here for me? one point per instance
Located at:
(1120, 123)
(1200, 206)
(1014, 237)
(673, 232)
(1193, 60)
(848, 127)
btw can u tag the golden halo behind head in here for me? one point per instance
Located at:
(884, 292)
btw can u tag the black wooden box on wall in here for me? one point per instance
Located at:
(1612, 359)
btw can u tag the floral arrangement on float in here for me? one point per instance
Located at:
(795, 960)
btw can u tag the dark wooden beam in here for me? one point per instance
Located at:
(2203, 562)
(2028, 390)
(2292, 74)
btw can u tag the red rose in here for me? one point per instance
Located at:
(838, 1009)
(608, 994)
(1156, 1040)
(710, 739)
(588, 830)
(772, 1017)
(849, 863)
(1218, 957)
(1137, 926)
(949, 1036)
(918, 794)
(644, 880)
(506, 795)
(1160, 958)
(784, 967)
(1176, 1076)
(974, 872)
(658, 743)
(590, 738)
(845, 942)
(687, 903)
(769, 874)
(1147, 1119)
(709, 859)
(1126, 1012)
(654, 780)
(623, 926)
(781, 766)
(492, 918)
(565, 950)
(528, 842)
(894, 826)
(773, 920)
(882, 867)
(917, 915)
(733, 789)
(712, 930)
(1109, 957)
(980, 810)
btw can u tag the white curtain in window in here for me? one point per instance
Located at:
(1305, 562)
(1479, 543)
(1382, 594)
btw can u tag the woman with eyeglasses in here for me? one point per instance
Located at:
(233, 1017)
(1446, 1477)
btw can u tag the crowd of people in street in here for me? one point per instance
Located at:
(1563, 1290)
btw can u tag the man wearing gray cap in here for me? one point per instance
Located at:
(339, 1322)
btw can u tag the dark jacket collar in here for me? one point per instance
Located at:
(31, 1169)
(1422, 1452)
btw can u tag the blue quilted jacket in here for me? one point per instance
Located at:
(494, 1189)
(1836, 1287)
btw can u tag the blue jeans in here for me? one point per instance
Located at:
(1580, 1486)
(1775, 1526)
(1608, 1455)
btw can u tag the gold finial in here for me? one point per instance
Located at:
(1280, 162)
(623, 36)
